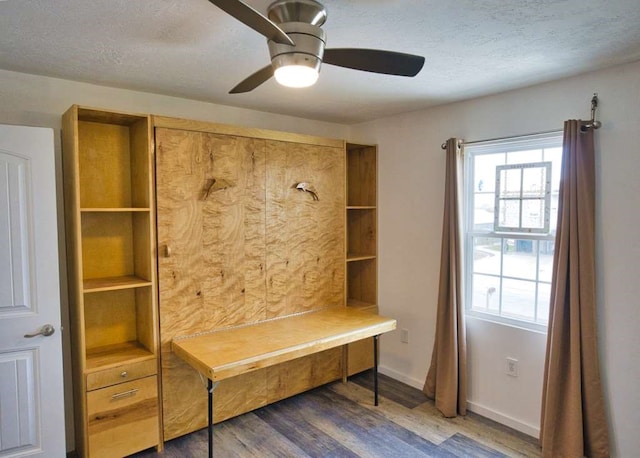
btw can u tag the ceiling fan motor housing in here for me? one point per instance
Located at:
(308, 11)
(309, 48)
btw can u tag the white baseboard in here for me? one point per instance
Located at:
(518, 425)
(415, 383)
(529, 430)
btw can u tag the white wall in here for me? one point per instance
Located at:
(38, 101)
(411, 168)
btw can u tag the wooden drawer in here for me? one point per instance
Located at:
(123, 373)
(123, 419)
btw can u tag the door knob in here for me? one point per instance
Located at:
(45, 330)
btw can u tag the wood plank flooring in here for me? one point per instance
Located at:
(340, 420)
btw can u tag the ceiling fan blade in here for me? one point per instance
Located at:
(254, 19)
(253, 81)
(375, 60)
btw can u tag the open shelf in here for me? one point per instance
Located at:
(115, 244)
(95, 285)
(352, 257)
(358, 304)
(114, 210)
(361, 175)
(107, 356)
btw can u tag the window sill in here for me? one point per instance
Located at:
(502, 321)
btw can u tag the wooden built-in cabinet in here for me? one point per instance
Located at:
(237, 243)
(362, 243)
(240, 244)
(111, 246)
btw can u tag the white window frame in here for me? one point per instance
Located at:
(524, 143)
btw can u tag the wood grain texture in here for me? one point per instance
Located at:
(362, 232)
(215, 274)
(360, 356)
(123, 419)
(122, 373)
(110, 240)
(248, 132)
(362, 281)
(105, 165)
(305, 237)
(223, 199)
(230, 352)
(362, 175)
(70, 160)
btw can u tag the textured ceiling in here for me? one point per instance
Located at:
(191, 49)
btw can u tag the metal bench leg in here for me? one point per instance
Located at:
(210, 387)
(375, 369)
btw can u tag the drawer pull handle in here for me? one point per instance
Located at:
(123, 374)
(124, 394)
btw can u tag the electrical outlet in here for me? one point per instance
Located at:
(512, 367)
(404, 335)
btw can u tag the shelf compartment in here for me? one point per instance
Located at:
(358, 304)
(116, 245)
(361, 175)
(118, 317)
(361, 281)
(108, 356)
(114, 162)
(361, 232)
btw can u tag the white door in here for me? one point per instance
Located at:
(31, 393)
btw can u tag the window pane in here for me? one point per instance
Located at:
(522, 157)
(510, 183)
(486, 293)
(553, 212)
(484, 205)
(484, 173)
(486, 255)
(520, 258)
(509, 213)
(545, 266)
(534, 182)
(533, 213)
(544, 296)
(518, 298)
(555, 156)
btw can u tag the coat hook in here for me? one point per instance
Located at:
(307, 187)
(216, 185)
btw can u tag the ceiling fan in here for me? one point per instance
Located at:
(297, 45)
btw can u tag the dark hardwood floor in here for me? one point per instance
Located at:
(339, 420)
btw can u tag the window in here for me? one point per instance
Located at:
(511, 197)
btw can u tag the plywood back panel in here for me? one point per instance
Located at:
(362, 175)
(105, 179)
(239, 244)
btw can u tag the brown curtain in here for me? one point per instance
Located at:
(446, 381)
(573, 422)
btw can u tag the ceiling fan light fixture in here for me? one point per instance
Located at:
(296, 70)
(296, 76)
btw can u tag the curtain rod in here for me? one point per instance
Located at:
(589, 124)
